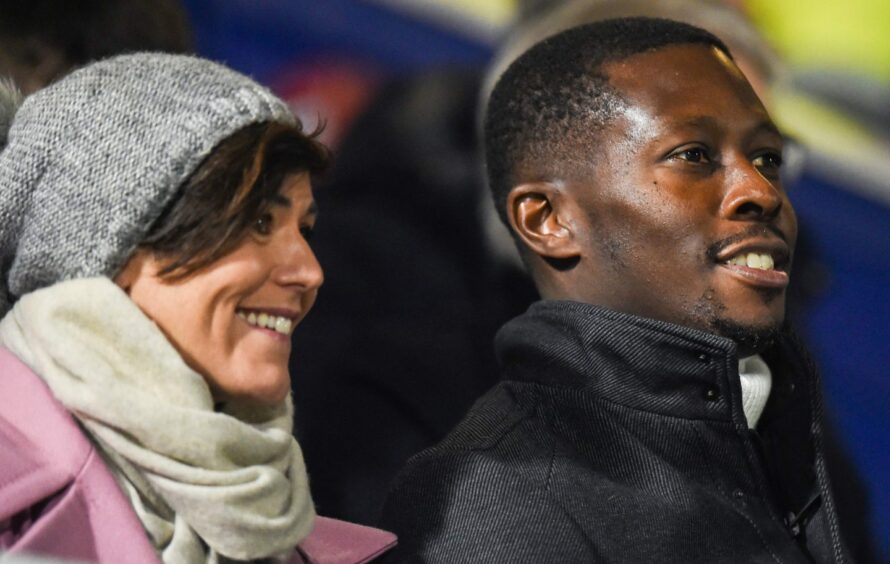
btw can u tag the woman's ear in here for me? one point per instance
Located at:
(541, 215)
(136, 267)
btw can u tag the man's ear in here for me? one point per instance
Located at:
(541, 215)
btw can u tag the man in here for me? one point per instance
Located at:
(652, 408)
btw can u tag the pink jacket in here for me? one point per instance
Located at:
(58, 498)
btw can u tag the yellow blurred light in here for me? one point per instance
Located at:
(850, 35)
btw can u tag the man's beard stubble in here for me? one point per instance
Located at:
(711, 315)
(749, 339)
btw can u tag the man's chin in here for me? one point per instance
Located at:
(750, 339)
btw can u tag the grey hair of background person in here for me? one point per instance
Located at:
(727, 23)
(93, 160)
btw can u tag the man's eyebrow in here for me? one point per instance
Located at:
(707, 122)
(766, 126)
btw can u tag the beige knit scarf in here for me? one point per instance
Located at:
(207, 485)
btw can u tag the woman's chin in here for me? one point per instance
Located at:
(260, 389)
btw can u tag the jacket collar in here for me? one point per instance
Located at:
(335, 541)
(640, 363)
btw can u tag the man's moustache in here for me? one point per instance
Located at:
(752, 232)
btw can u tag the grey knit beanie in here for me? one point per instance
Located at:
(92, 161)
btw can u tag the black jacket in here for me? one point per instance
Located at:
(621, 439)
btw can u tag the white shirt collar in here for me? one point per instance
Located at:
(757, 381)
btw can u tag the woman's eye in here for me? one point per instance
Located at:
(263, 224)
(768, 161)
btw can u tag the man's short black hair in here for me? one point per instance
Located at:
(547, 109)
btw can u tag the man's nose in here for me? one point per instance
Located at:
(751, 196)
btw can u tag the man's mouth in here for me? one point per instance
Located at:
(283, 324)
(759, 267)
(760, 261)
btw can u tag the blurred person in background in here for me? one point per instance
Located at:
(154, 226)
(42, 40)
(400, 345)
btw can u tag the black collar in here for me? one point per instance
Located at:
(640, 363)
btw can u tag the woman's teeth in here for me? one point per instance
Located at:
(760, 261)
(277, 323)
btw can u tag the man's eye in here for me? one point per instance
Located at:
(768, 161)
(263, 224)
(693, 155)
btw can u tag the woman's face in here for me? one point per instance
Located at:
(231, 321)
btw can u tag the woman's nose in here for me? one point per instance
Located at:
(296, 264)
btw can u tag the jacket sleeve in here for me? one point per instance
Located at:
(469, 507)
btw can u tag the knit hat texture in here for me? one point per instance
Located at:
(92, 161)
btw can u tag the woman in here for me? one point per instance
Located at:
(154, 218)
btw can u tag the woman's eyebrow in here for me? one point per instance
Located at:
(279, 200)
(282, 201)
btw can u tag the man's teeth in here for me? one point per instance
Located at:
(760, 261)
(283, 325)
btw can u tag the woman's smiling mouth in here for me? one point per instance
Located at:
(283, 324)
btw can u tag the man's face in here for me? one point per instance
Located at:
(684, 217)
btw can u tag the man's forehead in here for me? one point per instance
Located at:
(685, 57)
(685, 86)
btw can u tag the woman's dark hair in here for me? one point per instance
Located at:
(219, 203)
